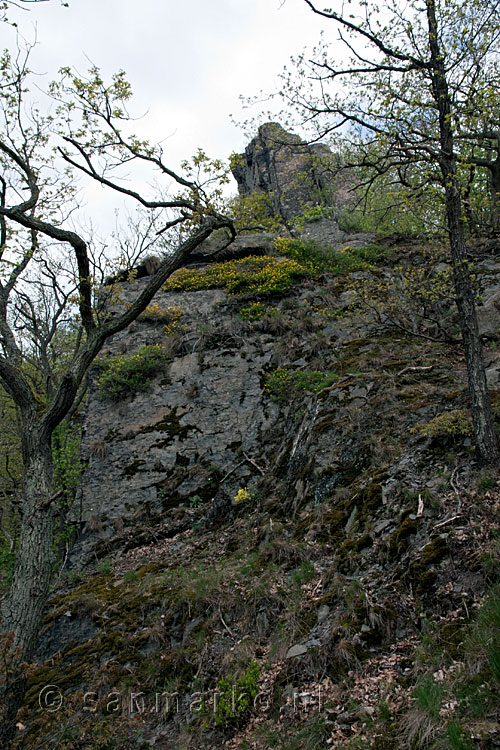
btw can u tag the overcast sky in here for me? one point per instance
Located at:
(188, 60)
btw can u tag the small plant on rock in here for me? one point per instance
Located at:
(245, 494)
(122, 376)
(284, 385)
(195, 501)
(455, 423)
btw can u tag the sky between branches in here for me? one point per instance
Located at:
(188, 62)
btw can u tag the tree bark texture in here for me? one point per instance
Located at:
(23, 607)
(484, 427)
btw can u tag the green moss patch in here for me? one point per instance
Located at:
(123, 376)
(284, 385)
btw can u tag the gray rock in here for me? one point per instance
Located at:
(488, 314)
(188, 428)
(298, 650)
(312, 643)
(323, 613)
(288, 170)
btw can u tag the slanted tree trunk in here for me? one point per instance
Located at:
(484, 428)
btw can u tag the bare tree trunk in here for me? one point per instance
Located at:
(484, 427)
(23, 607)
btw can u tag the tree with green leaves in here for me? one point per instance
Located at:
(405, 88)
(49, 275)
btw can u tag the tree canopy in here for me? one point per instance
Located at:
(377, 90)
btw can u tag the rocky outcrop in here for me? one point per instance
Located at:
(147, 267)
(293, 173)
(206, 425)
(216, 249)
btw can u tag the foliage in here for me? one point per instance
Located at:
(304, 573)
(10, 448)
(173, 326)
(7, 563)
(253, 311)
(104, 567)
(453, 423)
(195, 501)
(66, 440)
(483, 642)
(417, 299)
(206, 191)
(428, 696)
(311, 214)
(122, 376)
(251, 275)
(391, 207)
(234, 697)
(254, 211)
(410, 57)
(319, 259)
(245, 494)
(470, 688)
(155, 313)
(283, 385)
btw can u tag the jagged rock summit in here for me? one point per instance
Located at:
(296, 175)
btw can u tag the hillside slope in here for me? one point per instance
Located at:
(286, 540)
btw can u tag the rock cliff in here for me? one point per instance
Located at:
(288, 507)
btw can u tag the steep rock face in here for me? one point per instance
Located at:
(206, 427)
(356, 530)
(293, 173)
(203, 411)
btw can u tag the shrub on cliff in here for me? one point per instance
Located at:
(123, 376)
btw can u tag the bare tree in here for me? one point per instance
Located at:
(46, 274)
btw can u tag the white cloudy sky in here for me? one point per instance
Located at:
(188, 60)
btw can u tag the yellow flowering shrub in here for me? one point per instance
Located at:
(254, 274)
(171, 316)
(244, 494)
